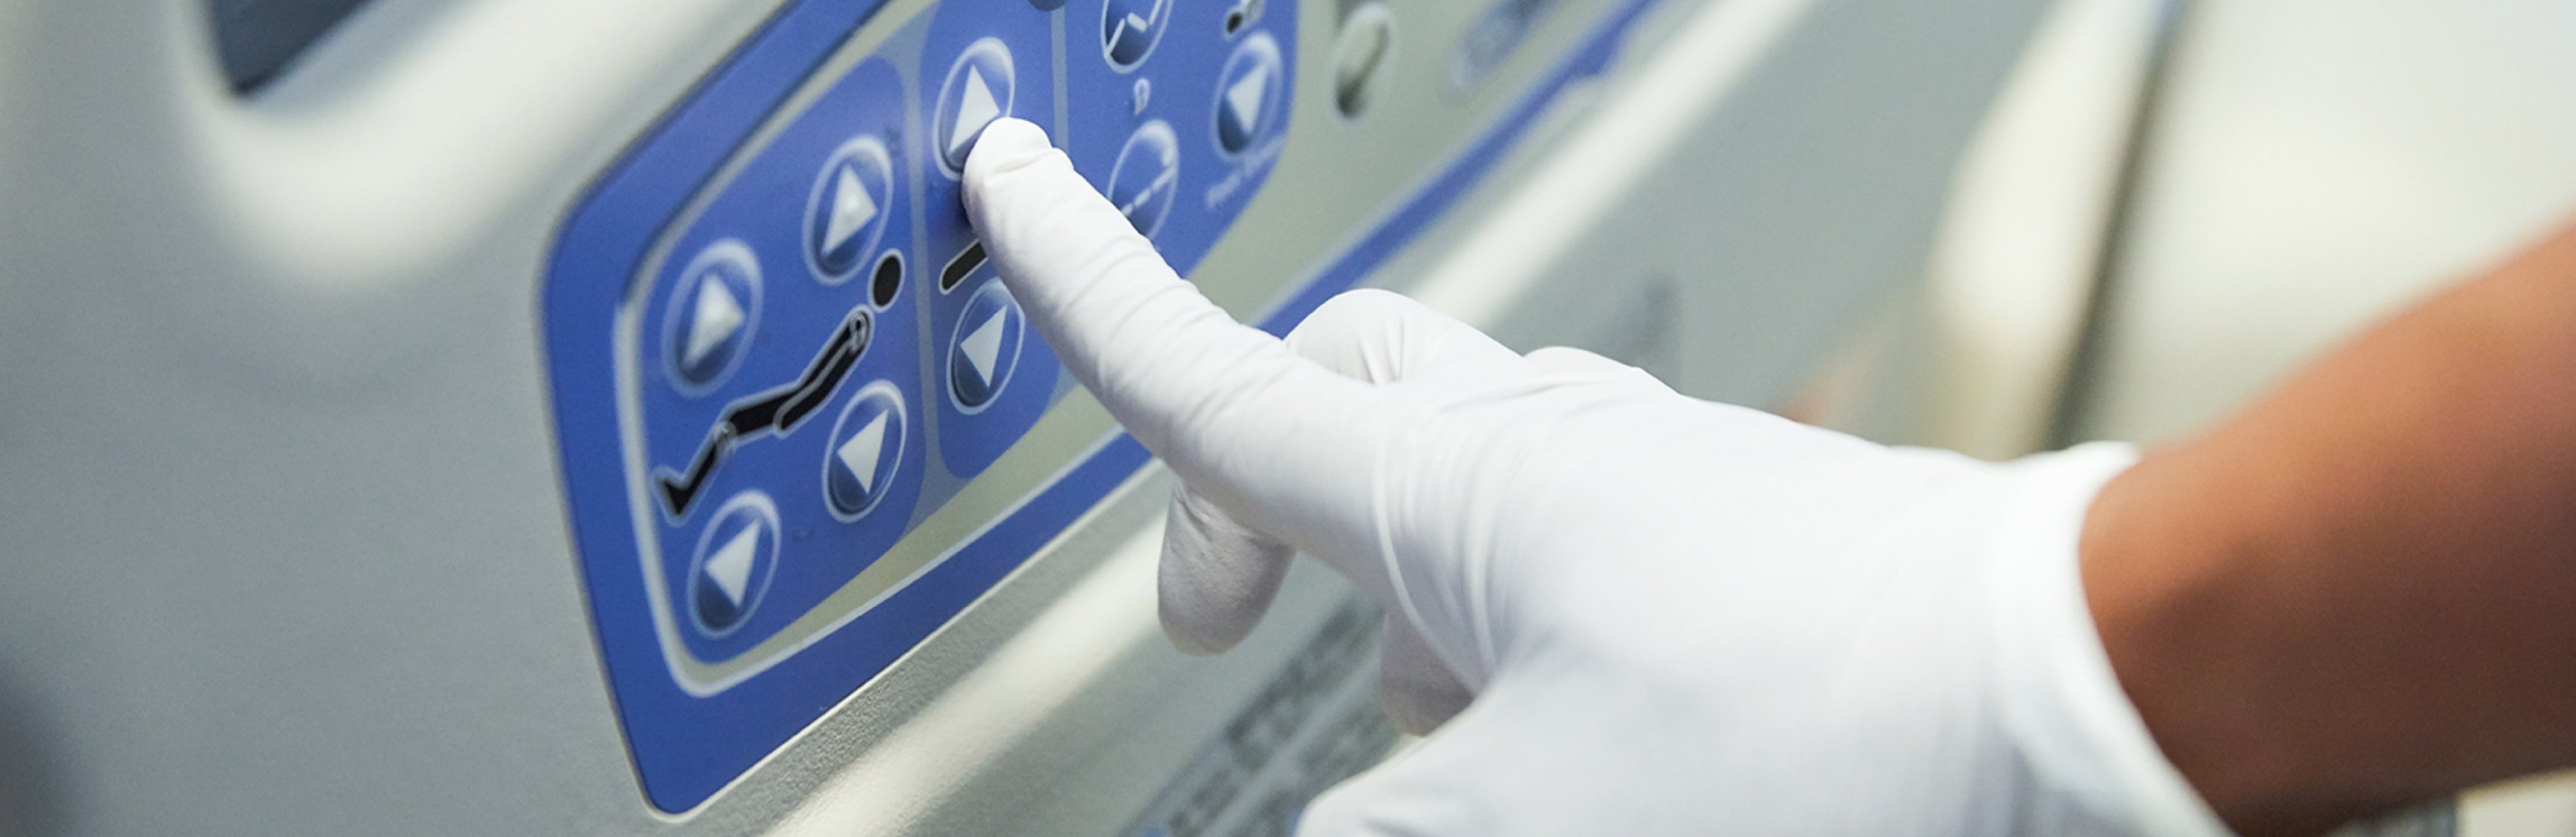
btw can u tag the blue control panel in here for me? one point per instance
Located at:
(779, 351)
(785, 377)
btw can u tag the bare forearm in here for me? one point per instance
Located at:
(2362, 591)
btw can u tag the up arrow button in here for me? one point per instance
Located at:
(975, 109)
(979, 89)
(845, 217)
(712, 311)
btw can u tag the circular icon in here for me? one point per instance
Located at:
(985, 348)
(846, 214)
(709, 318)
(1147, 176)
(1248, 94)
(1129, 29)
(737, 555)
(867, 443)
(978, 90)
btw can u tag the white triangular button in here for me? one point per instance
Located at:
(717, 317)
(1245, 95)
(975, 108)
(983, 346)
(861, 453)
(852, 209)
(730, 568)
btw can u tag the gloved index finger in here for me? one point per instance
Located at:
(1274, 438)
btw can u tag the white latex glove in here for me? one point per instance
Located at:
(1672, 616)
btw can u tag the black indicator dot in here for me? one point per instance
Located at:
(1244, 13)
(888, 279)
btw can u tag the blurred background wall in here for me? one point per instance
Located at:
(2312, 166)
(2175, 205)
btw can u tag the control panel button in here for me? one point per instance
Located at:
(736, 556)
(1129, 29)
(845, 216)
(979, 89)
(867, 443)
(1249, 93)
(986, 348)
(1360, 53)
(711, 315)
(1147, 176)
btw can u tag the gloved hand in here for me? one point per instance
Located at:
(1649, 614)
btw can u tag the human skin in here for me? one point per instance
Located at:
(2361, 591)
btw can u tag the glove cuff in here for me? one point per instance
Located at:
(2057, 697)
